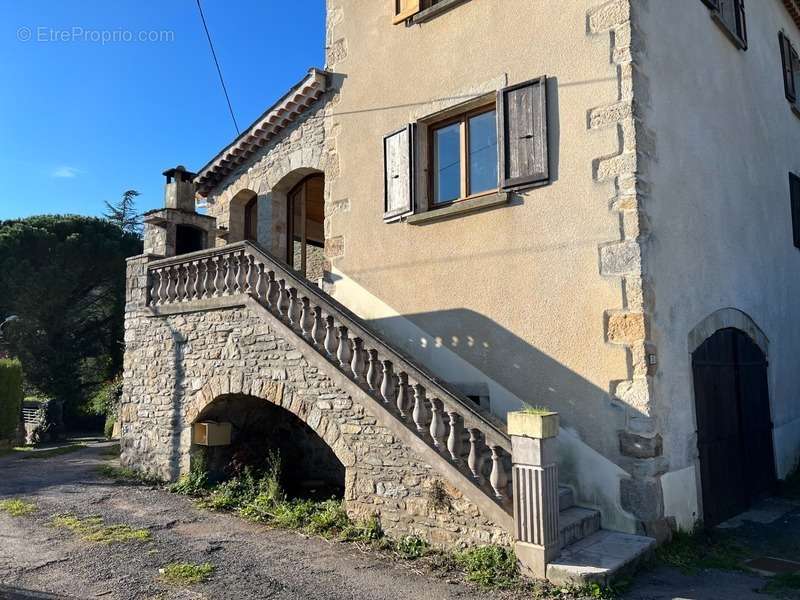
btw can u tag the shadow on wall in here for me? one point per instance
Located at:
(519, 371)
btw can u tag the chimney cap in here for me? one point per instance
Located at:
(179, 173)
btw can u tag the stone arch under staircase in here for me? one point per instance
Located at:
(236, 320)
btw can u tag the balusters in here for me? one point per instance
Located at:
(179, 285)
(498, 478)
(437, 424)
(261, 292)
(306, 318)
(227, 275)
(294, 308)
(249, 286)
(402, 394)
(454, 437)
(172, 285)
(357, 362)
(420, 413)
(207, 265)
(475, 458)
(219, 277)
(330, 337)
(343, 353)
(237, 286)
(318, 329)
(198, 292)
(272, 290)
(155, 298)
(372, 370)
(283, 299)
(387, 385)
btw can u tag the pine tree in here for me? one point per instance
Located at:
(123, 214)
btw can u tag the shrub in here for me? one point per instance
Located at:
(411, 547)
(105, 402)
(10, 398)
(489, 566)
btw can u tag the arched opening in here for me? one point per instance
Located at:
(189, 239)
(306, 227)
(734, 426)
(310, 469)
(243, 220)
(251, 220)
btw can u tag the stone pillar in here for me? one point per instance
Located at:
(535, 479)
(136, 282)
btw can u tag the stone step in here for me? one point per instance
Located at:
(576, 523)
(600, 557)
(566, 499)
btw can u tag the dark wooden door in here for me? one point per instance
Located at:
(734, 428)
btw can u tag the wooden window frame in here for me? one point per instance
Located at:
(403, 14)
(463, 119)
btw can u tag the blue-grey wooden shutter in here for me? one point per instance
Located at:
(398, 173)
(522, 125)
(794, 195)
(787, 58)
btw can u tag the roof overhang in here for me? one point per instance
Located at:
(793, 6)
(279, 116)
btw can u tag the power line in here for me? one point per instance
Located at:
(216, 62)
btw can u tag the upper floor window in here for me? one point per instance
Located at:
(791, 69)
(475, 153)
(729, 14)
(794, 195)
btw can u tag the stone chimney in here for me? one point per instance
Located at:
(179, 191)
(178, 228)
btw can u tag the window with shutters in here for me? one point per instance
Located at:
(468, 157)
(791, 70)
(794, 194)
(729, 15)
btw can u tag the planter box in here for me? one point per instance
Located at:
(533, 425)
(211, 434)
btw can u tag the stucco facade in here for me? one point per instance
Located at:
(665, 216)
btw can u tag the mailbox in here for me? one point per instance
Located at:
(210, 433)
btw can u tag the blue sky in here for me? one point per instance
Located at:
(81, 121)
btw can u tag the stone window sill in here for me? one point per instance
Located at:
(458, 209)
(435, 10)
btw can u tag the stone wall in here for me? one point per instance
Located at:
(177, 365)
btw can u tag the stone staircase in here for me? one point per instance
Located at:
(589, 553)
(466, 445)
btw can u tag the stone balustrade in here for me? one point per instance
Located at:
(469, 438)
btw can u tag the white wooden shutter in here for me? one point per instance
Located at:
(398, 161)
(522, 124)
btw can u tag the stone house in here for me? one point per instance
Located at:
(479, 206)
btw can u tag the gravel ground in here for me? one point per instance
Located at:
(39, 561)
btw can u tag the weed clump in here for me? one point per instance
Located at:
(691, 552)
(17, 508)
(94, 529)
(183, 574)
(489, 566)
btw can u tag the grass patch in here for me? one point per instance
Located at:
(783, 586)
(536, 410)
(128, 476)
(491, 567)
(54, 451)
(691, 552)
(183, 574)
(94, 529)
(17, 508)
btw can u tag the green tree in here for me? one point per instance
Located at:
(64, 276)
(123, 213)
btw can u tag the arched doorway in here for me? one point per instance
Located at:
(251, 220)
(734, 426)
(259, 428)
(306, 227)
